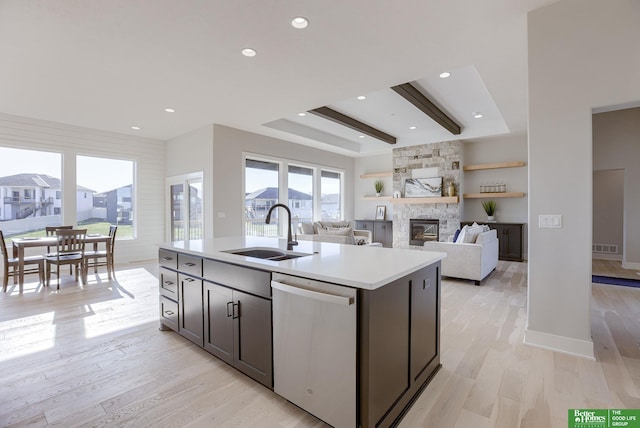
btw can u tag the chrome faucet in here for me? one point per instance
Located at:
(290, 242)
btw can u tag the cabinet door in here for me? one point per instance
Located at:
(190, 302)
(424, 320)
(252, 331)
(169, 284)
(383, 233)
(218, 321)
(510, 241)
(364, 225)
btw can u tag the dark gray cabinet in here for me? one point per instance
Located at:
(510, 239)
(381, 230)
(399, 344)
(190, 308)
(238, 330)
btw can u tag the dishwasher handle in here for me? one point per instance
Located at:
(315, 295)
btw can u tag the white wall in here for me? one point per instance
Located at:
(608, 211)
(582, 54)
(228, 172)
(25, 133)
(616, 144)
(366, 209)
(193, 152)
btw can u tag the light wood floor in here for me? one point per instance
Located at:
(613, 268)
(93, 356)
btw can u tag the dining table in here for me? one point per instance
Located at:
(19, 244)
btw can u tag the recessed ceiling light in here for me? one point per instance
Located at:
(477, 115)
(135, 128)
(362, 97)
(249, 52)
(299, 22)
(444, 75)
(360, 136)
(412, 127)
(169, 110)
(302, 114)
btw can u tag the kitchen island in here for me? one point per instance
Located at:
(349, 333)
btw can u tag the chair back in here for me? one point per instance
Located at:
(112, 234)
(71, 241)
(5, 255)
(51, 230)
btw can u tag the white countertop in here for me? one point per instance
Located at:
(351, 265)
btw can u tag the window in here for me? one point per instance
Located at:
(311, 192)
(105, 195)
(300, 198)
(261, 193)
(186, 220)
(331, 189)
(58, 195)
(29, 173)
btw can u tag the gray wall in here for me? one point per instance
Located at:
(574, 46)
(616, 145)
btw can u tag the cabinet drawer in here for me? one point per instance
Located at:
(169, 313)
(190, 264)
(252, 281)
(168, 259)
(169, 284)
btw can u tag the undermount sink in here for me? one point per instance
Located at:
(273, 254)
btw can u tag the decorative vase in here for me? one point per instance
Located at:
(451, 190)
(491, 218)
(378, 195)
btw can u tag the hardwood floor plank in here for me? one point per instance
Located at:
(93, 356)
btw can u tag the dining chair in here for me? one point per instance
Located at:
(13, 263)
(69, 251)
(51, 231)
(107, 255)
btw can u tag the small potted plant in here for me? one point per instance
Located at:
(490, 208)
(379, 185)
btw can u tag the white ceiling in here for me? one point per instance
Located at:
(110, 65)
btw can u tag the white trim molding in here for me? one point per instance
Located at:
(630, 265)
(566, 345)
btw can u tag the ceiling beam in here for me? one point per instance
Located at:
(349, 122)
(417, 98)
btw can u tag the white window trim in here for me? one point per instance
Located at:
(185, 180)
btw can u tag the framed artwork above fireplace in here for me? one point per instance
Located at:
(423, 187)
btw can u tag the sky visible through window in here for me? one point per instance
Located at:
(256, 179)
(98, 174)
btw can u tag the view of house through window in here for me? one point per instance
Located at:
(105, 195)
(185, 219)
(262, 191)
(30, 192)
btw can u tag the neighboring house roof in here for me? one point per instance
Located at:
(31, 180)
(272, 193)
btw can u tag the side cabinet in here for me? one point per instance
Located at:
(381, 230)
(399, 344)
(510, 239)
(237, 318)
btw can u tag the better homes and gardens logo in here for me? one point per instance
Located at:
(604, 418)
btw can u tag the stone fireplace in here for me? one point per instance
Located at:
(447, 158)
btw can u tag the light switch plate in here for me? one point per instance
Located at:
(550, 221)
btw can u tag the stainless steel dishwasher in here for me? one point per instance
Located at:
(314, 347)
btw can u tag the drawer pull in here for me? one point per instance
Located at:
(169, 313)
(189, 279)
(167, 259)
(168, 283)
(229, 312)
(190, 264)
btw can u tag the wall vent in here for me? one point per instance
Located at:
(604, 248)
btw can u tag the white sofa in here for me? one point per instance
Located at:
(340, 232)
(472, 261)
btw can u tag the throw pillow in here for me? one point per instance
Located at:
(334, 224)
(339, 231)
(472, 234)
(455, 235)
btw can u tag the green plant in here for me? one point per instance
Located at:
(489, 207)
(379, 185)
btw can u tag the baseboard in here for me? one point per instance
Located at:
(601, 256)
(566, 345)
(630, 265)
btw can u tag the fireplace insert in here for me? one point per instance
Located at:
(422, 230)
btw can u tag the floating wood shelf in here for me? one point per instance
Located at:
(493, 166)
(377, 175)
(377, 198)
(442, 200)
(493, 195)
